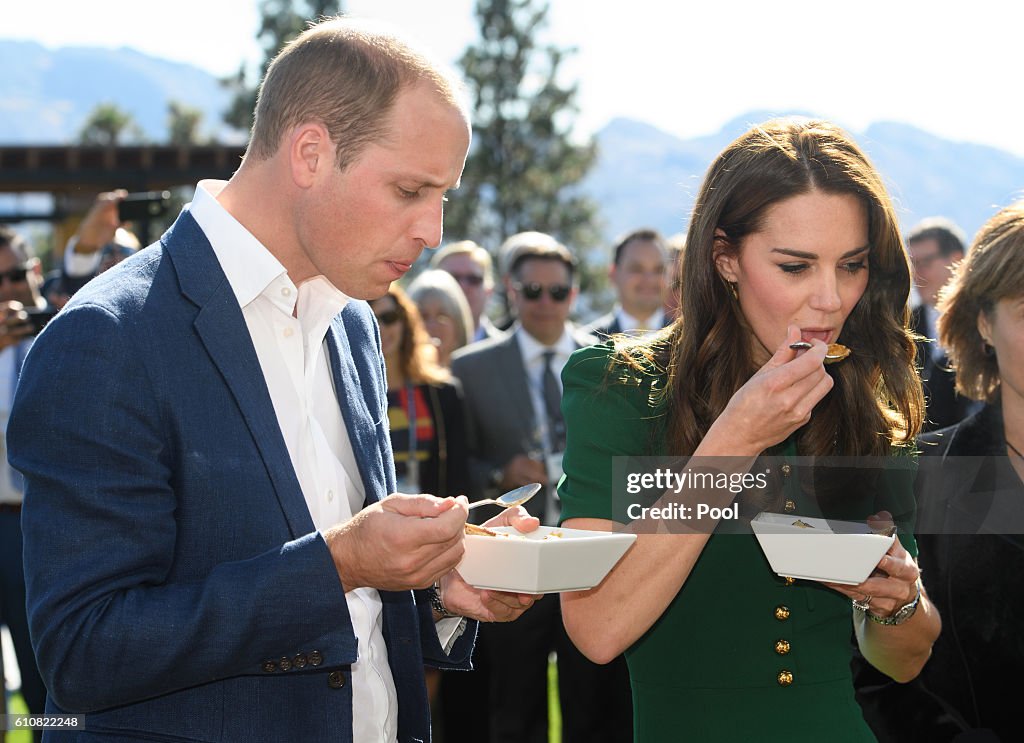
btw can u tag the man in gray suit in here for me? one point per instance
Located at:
(512, 390)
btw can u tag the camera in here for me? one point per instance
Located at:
(143, 205)
(38, 318)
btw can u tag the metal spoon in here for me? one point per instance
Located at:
(805, 346)
(512, 498)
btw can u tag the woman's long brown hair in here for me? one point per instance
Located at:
(876, 401)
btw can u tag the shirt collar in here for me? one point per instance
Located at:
(629, 322)
(532, 349)
(252, 270)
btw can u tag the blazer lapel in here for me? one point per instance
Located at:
(223, 332)
(361, 425)
(516, 385)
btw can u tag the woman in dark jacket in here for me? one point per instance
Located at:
(971, 515)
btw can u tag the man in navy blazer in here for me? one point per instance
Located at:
(195, 420)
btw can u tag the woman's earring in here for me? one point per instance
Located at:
(732, 288)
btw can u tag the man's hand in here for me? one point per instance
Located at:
(521, 470)
(14, 324)
(399, 543)
(100, 224)
(484, 605)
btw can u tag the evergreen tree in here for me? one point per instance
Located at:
(523, 170)
(183, 123)
(108, 125)
(281, 21)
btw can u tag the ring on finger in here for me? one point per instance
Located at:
(863, 604)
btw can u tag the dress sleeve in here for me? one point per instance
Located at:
(607, 415)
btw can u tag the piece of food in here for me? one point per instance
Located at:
(836, 352)
(480, 531)
(802, 524)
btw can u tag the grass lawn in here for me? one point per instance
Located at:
(16, 705)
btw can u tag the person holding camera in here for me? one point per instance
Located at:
(20, 278)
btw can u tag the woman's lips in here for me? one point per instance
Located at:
(812, 334)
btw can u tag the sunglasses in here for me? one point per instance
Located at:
(388, 317)
(533, 290)
(469, 279)
(15, 275)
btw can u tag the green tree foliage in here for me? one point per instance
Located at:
(183, 123)
(281, 21)
(523, 170)
(109, 125)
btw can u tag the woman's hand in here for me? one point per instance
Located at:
(892, 584)
(777, 400)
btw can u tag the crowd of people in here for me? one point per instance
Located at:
(270, 431)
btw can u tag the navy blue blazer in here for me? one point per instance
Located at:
(177, 588)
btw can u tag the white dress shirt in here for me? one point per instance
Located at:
(288, 326)
(10, 359)
(533, 352)
(632, 325)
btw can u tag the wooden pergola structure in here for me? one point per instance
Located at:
(74, 174)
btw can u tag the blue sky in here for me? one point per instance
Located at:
(949, 68)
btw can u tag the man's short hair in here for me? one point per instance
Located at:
(524, 246)
(479, 255)
(645, 234)
(347, 75)
(18, 245)
(950, 238)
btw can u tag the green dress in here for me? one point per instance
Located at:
(739, 654)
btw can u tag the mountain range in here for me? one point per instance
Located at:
(643, 176)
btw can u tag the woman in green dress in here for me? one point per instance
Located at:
(792, 239)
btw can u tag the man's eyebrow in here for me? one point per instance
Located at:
(812, 256)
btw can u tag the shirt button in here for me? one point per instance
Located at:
(330, 496)
(286, 292)
(781, 612)
(336, 679)
(785, 678)
(782, 647)
(288, 332)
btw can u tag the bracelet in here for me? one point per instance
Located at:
(898, 617)
(434, 594)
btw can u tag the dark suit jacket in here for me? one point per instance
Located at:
(499, 411)
(965, 485)
(944, 405)
(177, 589)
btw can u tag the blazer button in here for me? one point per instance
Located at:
(336, 679)
(782, 647)
(269, 666)
(789, 581)
(785, 678)
(315, 658)
(790, 506)
(299, 661)
(782, 612)
(285, 663)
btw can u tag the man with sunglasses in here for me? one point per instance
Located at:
(512, 391)
(471, 266)
(20, 279)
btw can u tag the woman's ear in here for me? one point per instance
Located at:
(984, 327)
(725, 257)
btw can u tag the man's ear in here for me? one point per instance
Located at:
(725, 257)
(310, 151)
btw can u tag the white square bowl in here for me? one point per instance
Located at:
(833, 551)
(548, 560)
